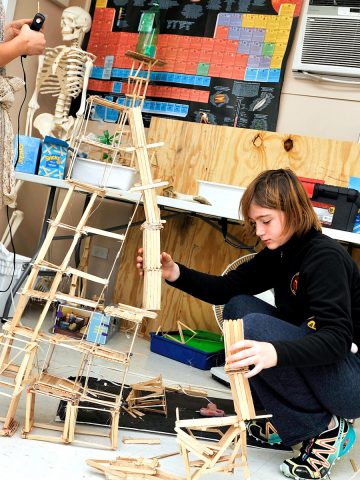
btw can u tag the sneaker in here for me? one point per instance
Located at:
(319, 454)
(264, 432)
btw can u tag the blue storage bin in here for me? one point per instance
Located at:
(184, 353)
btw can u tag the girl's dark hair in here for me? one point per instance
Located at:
(281, 190)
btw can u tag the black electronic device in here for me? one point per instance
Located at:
(38, 22)
(336, 207)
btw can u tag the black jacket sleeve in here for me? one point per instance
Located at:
(250, 278)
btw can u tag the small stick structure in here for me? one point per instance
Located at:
(148, 396)
(131, 469)
(213, 457)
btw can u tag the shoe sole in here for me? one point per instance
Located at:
(264, 442)
(284, 469)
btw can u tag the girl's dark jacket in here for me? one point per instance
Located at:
(312, 276)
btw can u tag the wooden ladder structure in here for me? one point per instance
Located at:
(19, 345)
(76, 393)
(137, 145)
(139, 77)
(15, 334)
(137, 85)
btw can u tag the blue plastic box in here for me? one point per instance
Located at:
(53, 158)
(29, 153)
(186, 354)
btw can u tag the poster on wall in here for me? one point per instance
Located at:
(223, 58)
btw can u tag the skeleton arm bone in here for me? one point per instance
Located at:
(88, 66)
(33, 103)
(80, 113)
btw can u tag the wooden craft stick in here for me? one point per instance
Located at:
(141, 441)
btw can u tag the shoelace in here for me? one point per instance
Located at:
(308, 448)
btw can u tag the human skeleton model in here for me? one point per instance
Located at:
(63, 72)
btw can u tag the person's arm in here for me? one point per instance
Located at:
(27, 42)
(251, 278)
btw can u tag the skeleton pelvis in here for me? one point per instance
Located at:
(48, 124)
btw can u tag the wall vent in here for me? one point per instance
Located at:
(329, 38)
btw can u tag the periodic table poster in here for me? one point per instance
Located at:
(223, 58)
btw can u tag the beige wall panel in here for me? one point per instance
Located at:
(320, 117)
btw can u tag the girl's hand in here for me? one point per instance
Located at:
(250, 352)
(170, 269)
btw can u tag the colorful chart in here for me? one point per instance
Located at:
(225, 59)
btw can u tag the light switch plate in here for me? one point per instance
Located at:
(100, 252)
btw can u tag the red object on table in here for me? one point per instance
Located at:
(309, 184)
(211, 411)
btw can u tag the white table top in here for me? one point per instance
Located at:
(180, 205)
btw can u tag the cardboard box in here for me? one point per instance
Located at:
(71, 321)
(101, 328)
(78, 323)
(29, 152)
(53, 158)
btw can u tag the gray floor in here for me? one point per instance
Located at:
(33, 460)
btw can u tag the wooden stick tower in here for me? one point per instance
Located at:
(153, 224)
(139, 77)
(240, 388)
(19, 345)
(137, 85)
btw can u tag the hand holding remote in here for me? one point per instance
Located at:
(36, 25)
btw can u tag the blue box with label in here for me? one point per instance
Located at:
(101, 327)
(29, 152)
(53, 157)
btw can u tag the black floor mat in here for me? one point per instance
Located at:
(154, 422)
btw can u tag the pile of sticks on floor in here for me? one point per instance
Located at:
(128, 468)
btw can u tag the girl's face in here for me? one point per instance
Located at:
(269, 225)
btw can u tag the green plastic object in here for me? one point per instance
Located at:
(208, 342)
(149, 27)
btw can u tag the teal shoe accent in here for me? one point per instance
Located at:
(348, 441)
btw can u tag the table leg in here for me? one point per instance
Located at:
(44, 229)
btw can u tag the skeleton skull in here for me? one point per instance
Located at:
(74, 22)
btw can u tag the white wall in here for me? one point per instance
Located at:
(319, 109)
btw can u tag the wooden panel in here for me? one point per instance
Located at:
(231, 155)
(226, 155)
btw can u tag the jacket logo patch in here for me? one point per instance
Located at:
(312, 324)
(294, 283)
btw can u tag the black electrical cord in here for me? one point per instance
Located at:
(15, 164)
(19, 114)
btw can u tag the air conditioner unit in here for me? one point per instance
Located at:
(329, 39)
